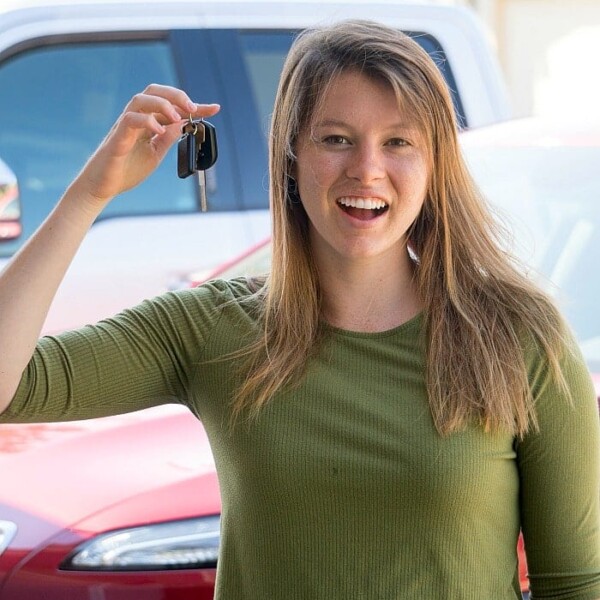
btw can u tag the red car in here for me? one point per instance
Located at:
(128, 507)
(120, 508)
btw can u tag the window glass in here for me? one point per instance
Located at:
(437, 54)
(56, 105)
(264, 54)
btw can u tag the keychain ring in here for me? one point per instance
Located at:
(195, 125)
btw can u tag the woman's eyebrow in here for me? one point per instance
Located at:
(331, 123)
(401, 125)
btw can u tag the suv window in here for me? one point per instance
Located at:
(436, 52)
(256, 58)
(264, 55)
(56, 105)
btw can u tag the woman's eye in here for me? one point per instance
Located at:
(335, 139)
(397, 142)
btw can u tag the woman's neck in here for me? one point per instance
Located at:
(369, 296)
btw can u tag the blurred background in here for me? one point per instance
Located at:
(548, 52)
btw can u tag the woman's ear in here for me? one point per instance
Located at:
(292, 189)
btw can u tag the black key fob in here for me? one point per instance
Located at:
(207, 151)
(186, 152)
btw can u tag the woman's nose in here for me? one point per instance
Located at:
(366, 163)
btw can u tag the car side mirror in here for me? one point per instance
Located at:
(10, 205)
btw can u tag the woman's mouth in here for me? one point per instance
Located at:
(364, 209)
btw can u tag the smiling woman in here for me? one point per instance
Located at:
(391, 404)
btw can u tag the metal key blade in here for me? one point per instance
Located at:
(202, 188)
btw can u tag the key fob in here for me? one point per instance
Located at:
(207, 151)
(187, 149)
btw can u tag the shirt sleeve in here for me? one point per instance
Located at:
(143, 357)
(559, 470)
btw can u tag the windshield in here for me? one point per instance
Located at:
(550, 199)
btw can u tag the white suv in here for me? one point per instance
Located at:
(66, 71)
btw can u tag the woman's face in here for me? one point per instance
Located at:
(362, 171)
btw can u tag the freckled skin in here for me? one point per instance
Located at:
(361, 145)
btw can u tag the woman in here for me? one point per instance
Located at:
(393, 402)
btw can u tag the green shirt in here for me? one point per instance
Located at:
(342, 489)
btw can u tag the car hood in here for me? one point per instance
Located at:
(56, 475)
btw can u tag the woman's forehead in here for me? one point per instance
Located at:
(352, 96)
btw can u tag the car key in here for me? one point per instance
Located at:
(206, 156)
(196, 152)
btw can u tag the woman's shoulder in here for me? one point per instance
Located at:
(239, 290)
(205, 303)
(557, 368)
(241, 294)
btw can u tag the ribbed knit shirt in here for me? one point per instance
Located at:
(342, 489)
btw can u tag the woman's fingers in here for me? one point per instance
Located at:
(169, 103)
(206, 110)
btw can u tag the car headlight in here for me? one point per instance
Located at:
(7, 533)
(188, 544)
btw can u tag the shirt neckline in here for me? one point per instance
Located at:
(408, 326)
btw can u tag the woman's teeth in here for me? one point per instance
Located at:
(366, 203)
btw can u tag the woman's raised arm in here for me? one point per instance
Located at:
(136, 144)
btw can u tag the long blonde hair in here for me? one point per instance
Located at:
(478, 307)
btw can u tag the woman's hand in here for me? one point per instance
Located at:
(138, 141)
